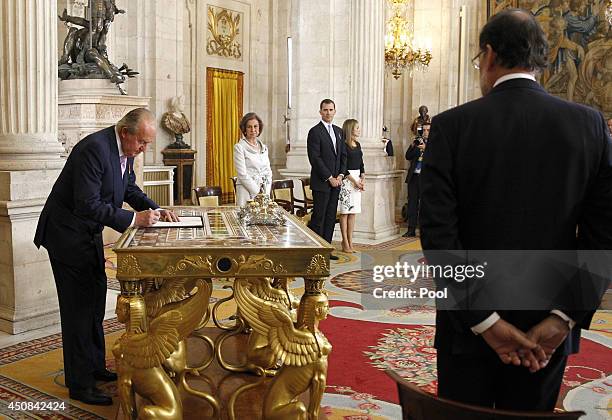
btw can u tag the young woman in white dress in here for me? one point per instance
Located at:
(251, 160)
(349, 203)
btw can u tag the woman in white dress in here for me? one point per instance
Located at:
(251, 160)
(349, 202)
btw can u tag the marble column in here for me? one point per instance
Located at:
(320, 57)
(366, 99)
(29, 159)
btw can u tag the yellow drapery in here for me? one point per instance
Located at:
(224, 110)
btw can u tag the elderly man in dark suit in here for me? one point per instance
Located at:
(88, 195)
(327, 156)
(517, 169)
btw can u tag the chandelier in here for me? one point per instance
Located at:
(609, 12)
(400, 53)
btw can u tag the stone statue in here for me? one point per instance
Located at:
(84, 53)
(422, 118)
(176, 122)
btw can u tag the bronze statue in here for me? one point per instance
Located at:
(176, 122)
(302, 350)
(84, 53)
(421, 119)
(102, 15)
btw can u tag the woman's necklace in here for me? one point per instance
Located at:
(254, 144)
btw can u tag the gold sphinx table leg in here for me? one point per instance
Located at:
(260, 358)
(151, 354)
(300, 348)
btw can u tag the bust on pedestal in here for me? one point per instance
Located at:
(179, 153)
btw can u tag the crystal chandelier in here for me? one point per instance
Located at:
(400, 53)
(609, 12)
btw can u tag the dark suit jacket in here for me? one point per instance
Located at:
(517, 169)
(412, 154)
(87, 196)
(325, 162)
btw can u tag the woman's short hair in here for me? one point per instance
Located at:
(517, 38)
(248, 117)
(133, 118)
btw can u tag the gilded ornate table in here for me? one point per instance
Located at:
(166, 277)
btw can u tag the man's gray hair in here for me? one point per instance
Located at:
(133, 118)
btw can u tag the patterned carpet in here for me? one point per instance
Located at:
(365, 343)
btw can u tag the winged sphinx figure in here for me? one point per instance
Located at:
(147, 355)
(302, 350)
(259, 352)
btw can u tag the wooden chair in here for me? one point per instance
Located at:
(420, 405)
(304, 206)
(234, 180)
(207, 196)
(282, 193)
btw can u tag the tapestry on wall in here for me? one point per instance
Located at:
(580, 42)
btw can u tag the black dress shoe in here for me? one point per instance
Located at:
(91, 396)
(334, 257)
(105, 375)
(410, 234)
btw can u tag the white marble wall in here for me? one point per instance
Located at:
(154, 47)
(436, 24)
(321, 55)
(166, 41)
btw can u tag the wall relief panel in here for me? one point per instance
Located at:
(224, 36)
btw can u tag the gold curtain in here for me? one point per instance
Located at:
(224, 110)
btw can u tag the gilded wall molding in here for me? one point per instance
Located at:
(224, 37)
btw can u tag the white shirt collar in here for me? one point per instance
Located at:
(511, 76)
(326, 124)
(118, 143)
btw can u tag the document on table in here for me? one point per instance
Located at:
(184, 221)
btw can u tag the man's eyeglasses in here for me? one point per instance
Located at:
(476, 60)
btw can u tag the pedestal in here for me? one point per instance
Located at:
(184, 161)
(89, 105)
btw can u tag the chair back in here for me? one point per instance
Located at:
(420, 405)
(234, 181)
(208, 196)
(304, 206)
(282, 193)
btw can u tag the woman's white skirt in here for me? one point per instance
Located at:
(349, 201)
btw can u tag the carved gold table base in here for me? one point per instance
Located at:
(151, 356)
(166, 279)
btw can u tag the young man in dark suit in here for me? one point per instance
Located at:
(88, 195)
(517, 169)
(327, 155)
